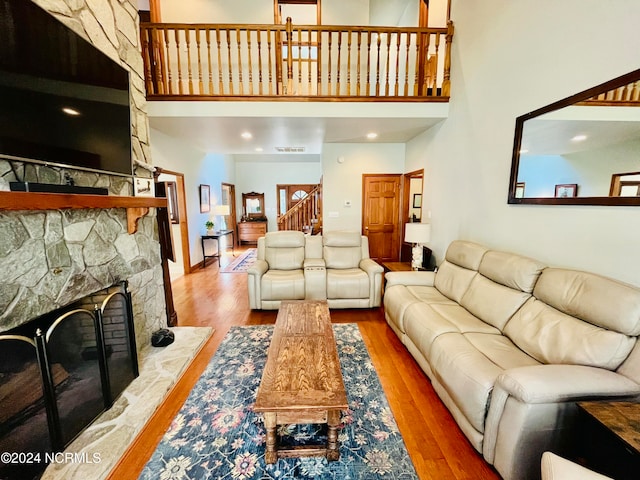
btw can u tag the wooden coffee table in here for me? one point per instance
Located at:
(302, 382)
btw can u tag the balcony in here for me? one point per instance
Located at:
(289, 62)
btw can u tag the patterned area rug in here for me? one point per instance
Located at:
(216, 434)
(242, 263)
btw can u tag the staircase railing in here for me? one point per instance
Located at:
(306, 215)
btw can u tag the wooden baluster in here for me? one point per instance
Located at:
(416, 85)
(200, 79)
(358, 65)
(209, 64)
(339, 66)
(187, 39)
(249, 60)
(368, 92)
(329, 64)
(220, 81)
(635, 92)
(230, 66)
(309, 63)
(432, 71)
(147, 45)
(161, 62)
(379, 42)
(386, 82)
(177, 38)
(406, 66)
(446, 82)
(299, 61)
(349, 63)
(270, 61)
(260, 90)
(289, 57)
(238, 43)
(426, 64)
(397, 85)
(319, 63)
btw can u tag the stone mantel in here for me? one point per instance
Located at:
(136, 207)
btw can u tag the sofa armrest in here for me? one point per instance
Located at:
(254, 281)
(370, 266)
(374, 271)
(314, 263)
(563, 383)
(425, 279)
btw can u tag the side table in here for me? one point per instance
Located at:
(216, 236)
(609, 438)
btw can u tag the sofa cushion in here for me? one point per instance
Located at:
(465, 254)
(491, 302)
(500, 350)
(453, 280)
(511, 270)
(423, 323)
(551, 336)
(284, 250)
(466, 374)
(342, 249)
(282, 285)
(593, 298)
(347, 283)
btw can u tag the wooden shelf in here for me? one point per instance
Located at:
(136, 207)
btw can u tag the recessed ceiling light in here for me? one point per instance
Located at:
(579, 138)
(71, 111)
(246, 135)
(258, 149)
(372, 135)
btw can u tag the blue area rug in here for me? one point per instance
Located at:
(216, 434)
(243, 262)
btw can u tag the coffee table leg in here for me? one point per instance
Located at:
(271, 455)
(333, 420)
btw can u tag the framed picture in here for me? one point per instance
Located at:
(205, 198)
(417, 200)
(566, 190)
(520, 190)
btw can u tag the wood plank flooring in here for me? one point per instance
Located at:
(207, 297)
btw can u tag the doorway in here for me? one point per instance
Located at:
(381, 215)
(180, 230)
(228, 191)
(412, 211)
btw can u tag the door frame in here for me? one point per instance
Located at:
(407, 203)
(182, 212)
(233, 217)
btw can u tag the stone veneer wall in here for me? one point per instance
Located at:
(51, 258)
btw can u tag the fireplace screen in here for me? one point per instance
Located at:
(59, 372)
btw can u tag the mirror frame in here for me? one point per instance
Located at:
(517, 142)
(260, 198)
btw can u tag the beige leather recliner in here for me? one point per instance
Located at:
(557, 468)
(335, 267)
(353, 279)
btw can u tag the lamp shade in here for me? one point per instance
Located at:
(417, 232)
(222, 210)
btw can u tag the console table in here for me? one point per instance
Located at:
(609, 438)
(216, 236)
(250, 232)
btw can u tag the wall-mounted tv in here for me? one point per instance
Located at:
(62, 101)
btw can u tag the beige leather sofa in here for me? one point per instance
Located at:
(510, 345)
(335, 267)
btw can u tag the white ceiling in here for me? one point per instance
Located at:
(216, 127)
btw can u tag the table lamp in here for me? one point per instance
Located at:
(417, 233)
(223, 211)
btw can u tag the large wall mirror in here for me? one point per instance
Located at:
(253, 206)
(583, 150)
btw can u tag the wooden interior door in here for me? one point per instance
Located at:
(381, 215)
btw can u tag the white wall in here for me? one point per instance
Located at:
(262, 177)
(510, 58)
(216, 11)
(198, 168)
(343, 181)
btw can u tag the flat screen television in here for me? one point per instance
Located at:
(63, 102)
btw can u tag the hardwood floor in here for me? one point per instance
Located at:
(207, 297)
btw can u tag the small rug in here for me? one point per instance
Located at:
(242, 263)
(216, 434)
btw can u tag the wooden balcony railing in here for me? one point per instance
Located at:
(306, 215)
(627, 95)
(198, 61)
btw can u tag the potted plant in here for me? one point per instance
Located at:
(209, 225)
